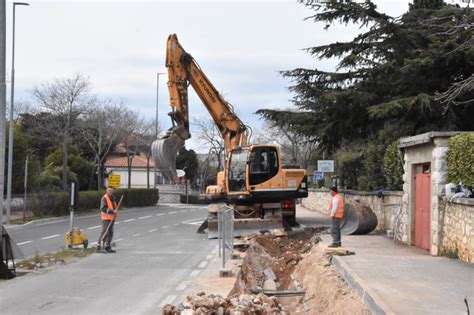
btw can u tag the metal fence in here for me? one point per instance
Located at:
(225, 219)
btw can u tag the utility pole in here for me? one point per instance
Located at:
(156, 121)
(11, 125)
(3, 101)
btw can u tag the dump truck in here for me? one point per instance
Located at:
(254, 181)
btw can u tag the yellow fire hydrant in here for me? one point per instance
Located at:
(79, 238)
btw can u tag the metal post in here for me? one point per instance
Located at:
(219, 229)
(71, 215)
(26, 188)
(3, 100)
(11, 125)
(156, 119)
(223, 239)
(187, 192)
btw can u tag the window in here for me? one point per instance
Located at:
(263, 164)
(237, 165)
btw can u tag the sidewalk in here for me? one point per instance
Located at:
(398, 279)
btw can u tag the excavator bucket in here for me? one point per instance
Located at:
(164, 151)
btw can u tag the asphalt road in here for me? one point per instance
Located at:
(158, 250)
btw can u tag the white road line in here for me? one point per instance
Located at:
(129, 220)
(203, 264)
(120, 239)
(210, 257)
(164, 227)
(195, 273)
(23, 243)
(117, 223)
(48, 237)
(94, 244)
(168, 300)
(160, 214)
(135, 235)
(184, 211)
(181, 287)
(145, 217)
(94, 227)
(172, 212)
(153, 230)
(176, 224)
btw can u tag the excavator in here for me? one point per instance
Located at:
(254, 182)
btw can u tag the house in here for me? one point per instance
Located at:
(142, 171)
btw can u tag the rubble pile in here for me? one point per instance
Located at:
(215, 304)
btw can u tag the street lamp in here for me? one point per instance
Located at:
(10, 134)
(156, 119)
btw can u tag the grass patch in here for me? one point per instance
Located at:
(450, 253)
(49, 259)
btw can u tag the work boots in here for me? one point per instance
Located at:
(109, 250)
(334, 245)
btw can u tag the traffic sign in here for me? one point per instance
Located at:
(318, 175)
(114, 180)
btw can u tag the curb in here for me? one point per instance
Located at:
(370, 298)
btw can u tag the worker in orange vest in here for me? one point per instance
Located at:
(108, 211)
(336, 212)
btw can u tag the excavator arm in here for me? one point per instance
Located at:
(182, 72)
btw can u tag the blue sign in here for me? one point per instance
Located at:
(317, 176)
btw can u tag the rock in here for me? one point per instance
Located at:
(187, 312)
(269, 285)
(221, 311)
(45, 264)
(316, 239)
(38, 265)
(202, 293)
(306, 248)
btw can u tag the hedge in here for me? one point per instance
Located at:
(460, 159)
(57, 203)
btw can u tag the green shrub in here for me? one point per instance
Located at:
(392, 167)
(349, 168)
(57, 203)
(460, 159)
(373, 178)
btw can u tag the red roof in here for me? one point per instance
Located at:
(121, 161)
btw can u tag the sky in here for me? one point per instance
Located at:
(120, 46)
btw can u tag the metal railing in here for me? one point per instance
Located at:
(225, 219)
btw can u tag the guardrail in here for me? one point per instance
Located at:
(225, 223)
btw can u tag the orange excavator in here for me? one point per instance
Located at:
(261, 190)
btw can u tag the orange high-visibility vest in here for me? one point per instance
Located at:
(110, 205)
(340, 207)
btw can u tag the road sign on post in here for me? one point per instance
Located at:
(114, 180)
(317, 176)
(326, 166)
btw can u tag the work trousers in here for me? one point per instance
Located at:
(336, 231)
(110, 232)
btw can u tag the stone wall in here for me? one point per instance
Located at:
(458, 229)
(386, 208)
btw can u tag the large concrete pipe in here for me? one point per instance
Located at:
(358, 218)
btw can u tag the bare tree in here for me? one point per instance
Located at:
(65, 99)
(210, 137)
(100, 128)
(133, 134)
(296, 149)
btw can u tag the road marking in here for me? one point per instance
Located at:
(23, 243)
(181, 287)
(48, 237)
(203, 264)
(193, 222)
(176, 224)
(210, 257)
(168, 300)
(164, 227)
(135, 235)
(195, 273)
(94, 227)
(117, 223)
(120, 239)
(129, 220)
(160, 214)
(172, 212)
(153, 230)
(94, 244)
(184, 211)
(145, 217)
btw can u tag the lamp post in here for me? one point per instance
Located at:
(10, 134)
(156, 120)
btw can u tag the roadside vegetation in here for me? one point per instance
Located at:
(51, 259)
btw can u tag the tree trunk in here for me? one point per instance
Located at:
(100, 176)
(65, 153)
(129, 166)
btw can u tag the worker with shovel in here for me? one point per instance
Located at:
(108, 212)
